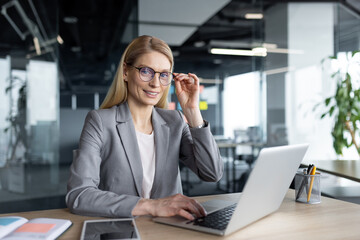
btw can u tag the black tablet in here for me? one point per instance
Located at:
(109, 229)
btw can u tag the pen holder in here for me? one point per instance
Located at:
(307, 188)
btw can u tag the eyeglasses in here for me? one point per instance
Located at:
(147, 74)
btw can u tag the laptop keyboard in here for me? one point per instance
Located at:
(216, 220)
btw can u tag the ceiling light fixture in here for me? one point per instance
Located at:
(59, 39)
(255, 52)
(37, 45)
(285, 51)
(269, 45)
(260, 51)
(254, 16)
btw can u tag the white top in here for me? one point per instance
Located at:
(147, 154)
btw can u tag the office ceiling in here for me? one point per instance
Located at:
(95, 32)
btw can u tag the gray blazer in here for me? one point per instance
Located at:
(106, 173)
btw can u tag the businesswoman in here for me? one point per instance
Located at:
(129, 150)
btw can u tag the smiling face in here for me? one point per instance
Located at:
(144, 94)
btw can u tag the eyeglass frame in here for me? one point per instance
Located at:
(139, 69)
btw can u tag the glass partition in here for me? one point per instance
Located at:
(310, 80)
(30, 174)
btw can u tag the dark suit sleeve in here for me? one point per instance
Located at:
(200, 152)
(83, 196)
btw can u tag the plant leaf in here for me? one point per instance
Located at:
(327, 101)
(334, 74)
(331, 110)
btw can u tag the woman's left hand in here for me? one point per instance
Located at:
(187, 90)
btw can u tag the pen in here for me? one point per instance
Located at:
(303, 183)
(311, 183)
(310, 167)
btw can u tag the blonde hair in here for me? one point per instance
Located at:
(118, 91)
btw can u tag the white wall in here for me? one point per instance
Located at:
(241, 98)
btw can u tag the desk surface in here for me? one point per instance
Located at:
(331, 219)
(343, 168)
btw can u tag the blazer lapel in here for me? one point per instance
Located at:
(162, 134)
(127, 135)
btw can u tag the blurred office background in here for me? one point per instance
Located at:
(58, 58)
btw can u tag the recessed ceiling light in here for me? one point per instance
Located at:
(269, 45)
(285, 51)
(59, 39)
(254, 16)
(37, 45)
(238, 52)
(260, 51)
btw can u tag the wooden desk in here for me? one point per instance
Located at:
(331, 219)
(349, 169)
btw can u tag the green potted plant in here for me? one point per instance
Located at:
(345, 104)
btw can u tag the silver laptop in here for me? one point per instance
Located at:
(263, 193)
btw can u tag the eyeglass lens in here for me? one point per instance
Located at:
(147, 74)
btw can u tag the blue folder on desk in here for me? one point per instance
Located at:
(263, 193)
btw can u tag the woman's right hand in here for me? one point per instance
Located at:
(170, 206)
